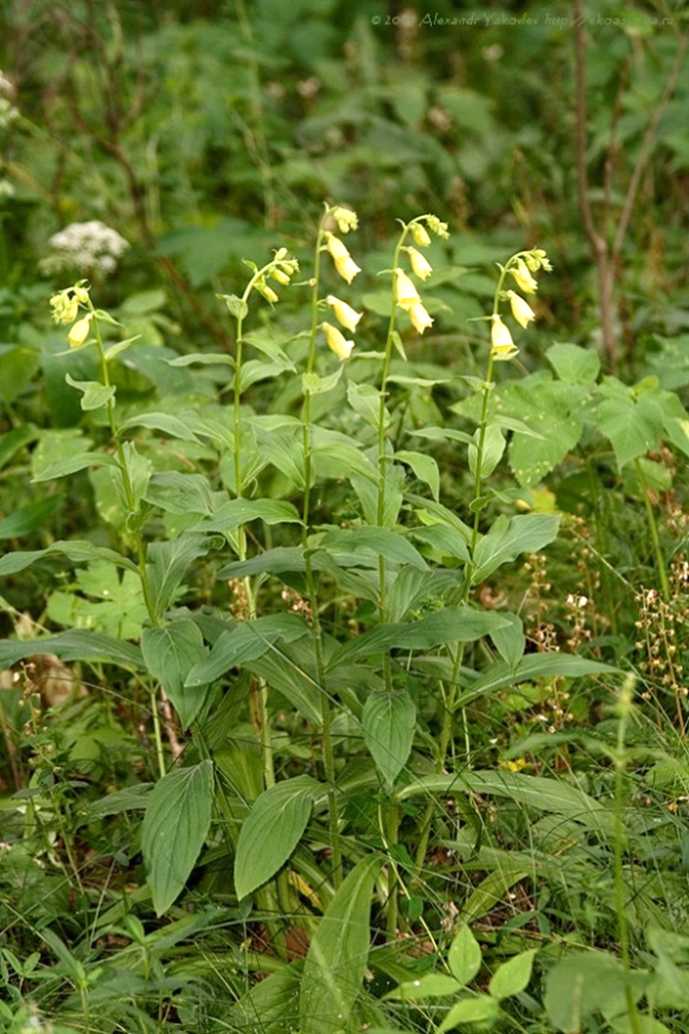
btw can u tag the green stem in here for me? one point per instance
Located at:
(153, 693)
(653, 530)
(326, 709)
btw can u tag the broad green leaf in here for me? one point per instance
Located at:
(203, 359)
(493, 448)
(492, 890)
(509, 640)
(582, 984)
(432, 985)
(389, 723)
(12, 441)
(513, 976)
(534, 665)
(271, 831)
(175, 826)
(447, 541)
(74, 645)
(365, 400)
(291, 669)
(550, 795)
(269, 1007)
(464, 956)
(573, 363)
(336, 962)
(507, 539)
(180, 493)
(168, 563)
(94, 395)
(280, 560)
(72, 465)
(170, 653)
(551, 411)
(377, 541)
(313, 384)
(425, 468)
(246, 641)
(236, 306)
(76, 551)
(481, 1009)
(442, 434)
(173, 426)
(633, 424)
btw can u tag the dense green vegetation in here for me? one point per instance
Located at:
(344, 590)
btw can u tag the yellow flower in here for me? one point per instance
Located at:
(521, 310)
(419, 264)
(344, 263)
(435, 226)
(420, 318)
(344, 313)
(525, 281)
(282, 278)
(79, 332)
(537, 259)
(345, 218)
(65, 306)
(267, 291)
(420, 235)
(503, 347)
(406, 294)
(337, 342)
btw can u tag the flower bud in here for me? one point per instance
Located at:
(525, 281)
(345, 218)
(435, 226)
(420, 235)
(503, 347)
(419, 264)
(280, 276)
(344, 313)
(406, 294)
(337, 342)
(79, 332)
(344, 263)
(521, 310)
(267, 291)
(420, 318)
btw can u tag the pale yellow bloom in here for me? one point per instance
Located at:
(525, 281)
(336, 341)
(537, 259)
(420, 235)
(344, 313)
(344, 263)
(282, 278)
(420, 318)
(419, 264)
(406, 294)
(503, 347)
(65, 306)
(267, 291)
(79, 332)
(345, 218)
(521, 310)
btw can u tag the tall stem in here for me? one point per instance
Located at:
(326, 710)
(653, 531)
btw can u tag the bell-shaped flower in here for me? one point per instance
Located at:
(420, 235)
(79, 332)
(525, 281)
(344, 313)
(521, 310)
(406, 294)
(420, 318)
(502, 345)
(344, 263)
(419, 264)
(336, 341)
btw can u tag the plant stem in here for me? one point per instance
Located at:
(326, 710)
(653, 530)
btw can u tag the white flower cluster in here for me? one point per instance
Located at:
(90, 247)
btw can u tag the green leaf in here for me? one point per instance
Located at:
(442, 434)
(574, 364)
(633, 424)
(313, 384)
(236, 306)
(271, 831)
(424, 467)
(28, 518)
(203, 359)
(12, 441)
(507, 539)
(376, 541)
(493, 448)
(71, 465)
(336, 962)
(492, 890)
(75, 550)
(464, 956)
(533, 665)
(550, 795)
(481, 1009)
(175, 427)
(513, 976)
(365, 401)
(432, 985)
(175, 826)
(246, 641)
(389, 723)
(582, 984)
(447, 541)
(180, 493)
(94, 394)
(74, 645)
(551, 411)
(509, 640)
(168, 563)
(170, 653)
(236, 512)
